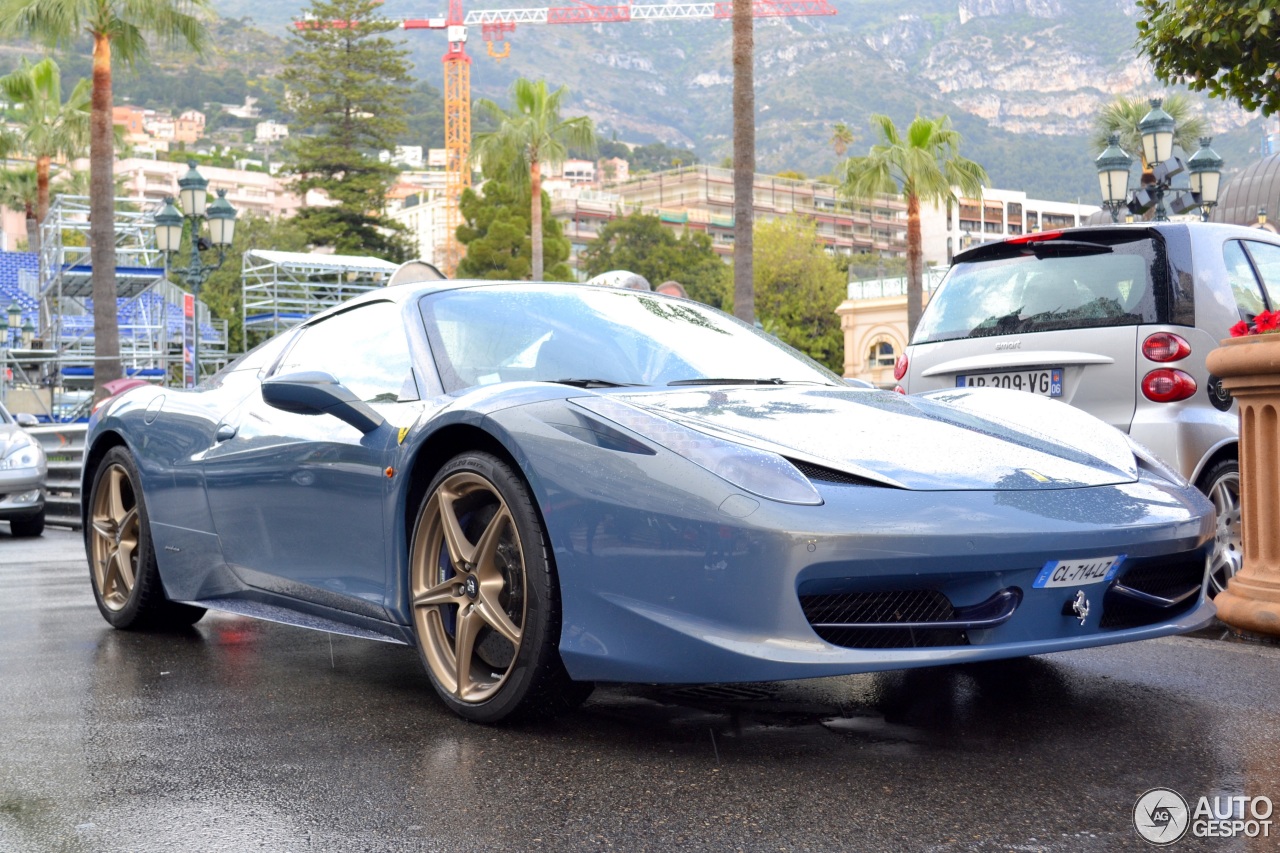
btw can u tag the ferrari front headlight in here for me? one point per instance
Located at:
(759, 472)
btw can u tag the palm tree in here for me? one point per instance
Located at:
(116, 27)
(49, 128)
(18, 191)
(1123, 114)
(841, 138)
(530, 135)
(925, 165)
(744, 161)
(8, 141)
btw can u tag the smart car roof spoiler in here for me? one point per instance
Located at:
(1054, 243)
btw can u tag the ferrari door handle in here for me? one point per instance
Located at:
(225, 431)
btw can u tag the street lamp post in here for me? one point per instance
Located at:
(13, 325)
(221, 216)
(1205, 169)
(1157, 128)
(1113, 176)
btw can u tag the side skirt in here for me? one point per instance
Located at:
(350, 626)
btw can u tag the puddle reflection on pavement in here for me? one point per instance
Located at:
(240, 734)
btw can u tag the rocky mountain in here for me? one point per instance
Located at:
(1021, 79)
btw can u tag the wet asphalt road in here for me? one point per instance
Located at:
(242, 735)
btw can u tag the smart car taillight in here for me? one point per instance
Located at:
(900, 367)
(1165, 346)
(1167, 385)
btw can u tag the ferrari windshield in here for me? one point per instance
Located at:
(599, 337)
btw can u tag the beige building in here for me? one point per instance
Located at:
(256, 193)
(614, 170)
(424, 215)
(267, 132)
(700, 198)
(873, 318)
(151, 128)
(13, 229)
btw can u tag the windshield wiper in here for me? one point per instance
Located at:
(593, 383)
(740, 381)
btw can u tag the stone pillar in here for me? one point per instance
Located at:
(1250, 369)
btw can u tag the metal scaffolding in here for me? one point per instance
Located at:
(281, 289)
(58, 371)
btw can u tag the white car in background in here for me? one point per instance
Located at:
(22, 475)
(1115, 320)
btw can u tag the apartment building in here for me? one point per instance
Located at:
(130, 119)
(614, 170)
(424, 215)
(573, 171)
(267, 132)
(700, 198)
(149, 127)
(256, 193)
(996, 214)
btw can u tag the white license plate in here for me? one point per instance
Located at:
(1047, 383)
(1078, 572)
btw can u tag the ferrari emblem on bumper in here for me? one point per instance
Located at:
(1080, 607)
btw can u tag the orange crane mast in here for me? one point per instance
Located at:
(497, 24)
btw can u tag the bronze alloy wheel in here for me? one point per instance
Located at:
(113, 537)
(468, 585)
(1228, 543)
(485, 599)
(122, 559)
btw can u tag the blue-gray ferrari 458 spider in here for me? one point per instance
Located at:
(546, 485)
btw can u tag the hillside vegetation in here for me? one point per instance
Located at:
(1021, 79)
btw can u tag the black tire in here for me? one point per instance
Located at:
(456, 598)
(1221, 484)
(31, 525)
(117, 538)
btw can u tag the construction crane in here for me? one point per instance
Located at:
(496, 25)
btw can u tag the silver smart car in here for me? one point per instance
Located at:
(1117, 321)
(22, 474)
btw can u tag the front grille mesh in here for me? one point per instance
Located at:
(897, 606)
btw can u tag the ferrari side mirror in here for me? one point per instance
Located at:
(317, 393)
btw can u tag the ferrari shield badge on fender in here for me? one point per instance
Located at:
(403, 432)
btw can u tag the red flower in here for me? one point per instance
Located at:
(1239, 330)
(1267, 321)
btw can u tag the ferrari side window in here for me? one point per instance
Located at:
(364, 348)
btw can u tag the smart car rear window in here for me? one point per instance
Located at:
(1041, 292)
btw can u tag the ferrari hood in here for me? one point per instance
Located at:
(966, 439)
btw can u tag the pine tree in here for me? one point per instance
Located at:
(496, 233)
(347, 84)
